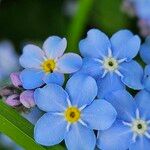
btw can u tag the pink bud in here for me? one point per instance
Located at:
(15, 79)
(13, 100)
(27, 98)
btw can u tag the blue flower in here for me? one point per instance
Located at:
(132, 127)
(110, 61)
(8, 60)
(145, 51)
(49, 65)
(142, 9)
(146, 78)
(72, 114)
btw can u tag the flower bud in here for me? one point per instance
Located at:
(13, 100)
(15, 79)
(7, 91)
(27, 99)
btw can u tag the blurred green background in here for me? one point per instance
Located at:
(23, 21)
(34, 20)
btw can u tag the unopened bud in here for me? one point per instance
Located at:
(13, 100)
(7, 91)
(27, 98)
(15, 79)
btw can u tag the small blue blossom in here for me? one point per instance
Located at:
(145, 51)
(132, 127)
(47, 65)
(8, 60)
(111, 62)
(72, 114)
(140, 9)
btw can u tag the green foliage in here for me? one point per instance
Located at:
(79, 23)
(19, 129)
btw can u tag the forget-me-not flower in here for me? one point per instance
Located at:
(8, 60)
(145, 51)
(145, 55)
(140, 9)
(72, 114)
(111, 62)
(132, 127)
(47, 65)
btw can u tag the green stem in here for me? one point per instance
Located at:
(78, 24)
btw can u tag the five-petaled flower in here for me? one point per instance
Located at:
(132, 127)
(110, 61)
(47, 66)
(72, 114)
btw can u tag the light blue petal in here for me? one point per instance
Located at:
(69, 63)
(55, 46)
(118, 137)
(142, 100)
(146, 78)
(50, 129)
(95, 45)
(125, 44)
(31, 78)
(80, 138)
(33, 115)
(100, 115)
(142, 9)
(142, 143)
(124, 104)
(54, 77)
(32, 57)
(132, 74)
(91, 67)
(145, 51)
(51, 97)
(111, 82)
(82, 89)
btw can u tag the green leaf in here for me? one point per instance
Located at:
(78, 24)
(109, 17)
(19, 129)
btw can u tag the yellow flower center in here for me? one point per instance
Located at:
(110, 64)
(72, 114)
(49, 65)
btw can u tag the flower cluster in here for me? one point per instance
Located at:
(140, 9)
(94, 108)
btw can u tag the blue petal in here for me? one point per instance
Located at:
(142, 9)
(33, 115)
(124, 104)
(125, 44)
(69, 63)
(100, 115)
(142, 100)
(118, 137)
(31, 78)
(50, 129)
(54, 77)
(51, 97)
(32, 57)
(132, 74)
(95, 45)
(80, 138)
(145, 51)
(141, 144)
(111, 82)
(91, 67)
(82, 89)
(146, 78)
(54, 46)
